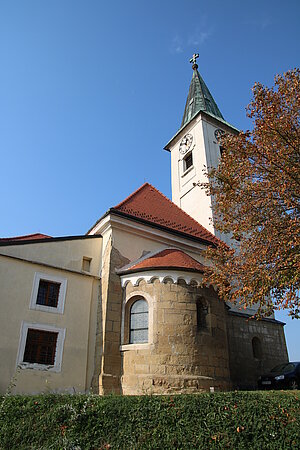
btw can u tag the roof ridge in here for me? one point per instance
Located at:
(195, 224)
(194, 220)
(25, 236)
(132, 195)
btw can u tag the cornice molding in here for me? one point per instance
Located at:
(165, 238)
(161, 275)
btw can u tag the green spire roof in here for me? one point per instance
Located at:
(199, 99)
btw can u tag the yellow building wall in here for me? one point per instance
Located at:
(66, 254)
(78, 319)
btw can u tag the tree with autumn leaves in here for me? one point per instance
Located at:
(256, 190)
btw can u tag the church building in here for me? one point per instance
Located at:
(122, 309)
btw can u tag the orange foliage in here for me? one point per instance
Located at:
(257, 190)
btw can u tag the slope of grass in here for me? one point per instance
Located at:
(234, 420)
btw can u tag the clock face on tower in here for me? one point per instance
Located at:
(219, 133)
(185, 143)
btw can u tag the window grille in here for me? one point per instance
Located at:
(48, 293)
(40, 347)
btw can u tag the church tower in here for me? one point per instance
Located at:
(194, 147)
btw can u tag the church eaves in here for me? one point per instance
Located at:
(199, 97)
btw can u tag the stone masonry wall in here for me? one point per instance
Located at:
(245, 366)
(107, 352)
(178, 357)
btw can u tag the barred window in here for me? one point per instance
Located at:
(48, 293)
(138, 322)
(40, 347)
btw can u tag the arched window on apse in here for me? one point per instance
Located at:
(256, 348)
(138, 322)
(202, 313)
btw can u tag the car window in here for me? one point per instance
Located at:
(284, 368)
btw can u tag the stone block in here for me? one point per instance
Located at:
(113, 315)
(115, 307)
(109, 325)
(141, 368)
(112, 336)
(160, 316)
(174, 318)
(157, 369)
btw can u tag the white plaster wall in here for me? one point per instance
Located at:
(206, 153)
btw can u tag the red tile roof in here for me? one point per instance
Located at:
(27, 237)
(168, 259)
(149, 204)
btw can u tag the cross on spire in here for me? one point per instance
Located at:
(194, 60)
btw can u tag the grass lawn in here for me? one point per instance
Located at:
(234, 420)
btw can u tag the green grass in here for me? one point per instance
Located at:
(234, 420)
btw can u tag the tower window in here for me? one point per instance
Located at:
(188, 161)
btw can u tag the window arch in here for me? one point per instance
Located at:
(202, 313)
(256, 348)
(138, 322)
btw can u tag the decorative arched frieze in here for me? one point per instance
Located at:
(153, 279)
(150, 276)
(168, 279)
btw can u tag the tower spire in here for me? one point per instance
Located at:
(199, 97)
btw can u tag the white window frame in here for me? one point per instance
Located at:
(125, 345)
(61, 332)
(130, 322)
(61, 297)
(184, 168)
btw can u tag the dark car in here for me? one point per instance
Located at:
(283, 376)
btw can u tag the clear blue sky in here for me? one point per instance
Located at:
(91, 91)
